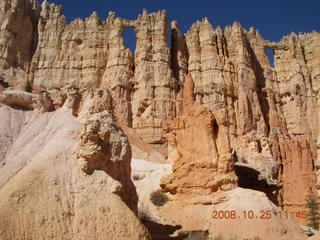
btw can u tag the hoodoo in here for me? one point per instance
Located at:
(89, 131)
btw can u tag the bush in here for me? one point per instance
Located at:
(28, 87)
(197, 235)
(144, 217)
(136, 177)
(204, 235)
(218, 237)
(158, 198)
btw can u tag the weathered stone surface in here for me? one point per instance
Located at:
(266, 221)
(254, 102)
(70, 55)
(25, 100)
(270, 222)
(153, 103)
(297, 106)
(198, 169)
(91, 53)
(18, 38)
(66, 174)
(103, 145)
(266, 118)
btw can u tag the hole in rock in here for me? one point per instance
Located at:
(259, 146)
(3, 83)
(270, 55)
(297, 89)
(249, 178)
(215, 129)
(130, 39)
(281, 168)
(78, 41)
(160, 231)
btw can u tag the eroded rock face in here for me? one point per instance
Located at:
(18, 38)
(198, 169)
(25, 100)
(104, 146)
(91, 53)
(66, 173)
(269, 114)
(265, 118)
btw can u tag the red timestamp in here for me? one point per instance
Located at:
(248, 214)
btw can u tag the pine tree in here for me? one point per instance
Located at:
(313, 206)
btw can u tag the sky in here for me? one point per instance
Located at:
(274, 19)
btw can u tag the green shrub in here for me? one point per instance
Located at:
(28, 87)
(254, 238)
(204, 235)
(144, 217)
(136, 177)
(218, 237)
(158, 198)
(313, 206)
(197, 235)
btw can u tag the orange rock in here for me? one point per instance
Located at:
(188, 94)
(198, 170)
(263, 115)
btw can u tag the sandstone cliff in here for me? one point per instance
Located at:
(265, 118)
(203, 180)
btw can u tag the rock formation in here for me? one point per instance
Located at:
(91, 53)
(199, 168)
(65, 176)
(255, 108)
(27, 101)
(257, 119)
(18, 30)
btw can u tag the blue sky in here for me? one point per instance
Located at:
(273, 18)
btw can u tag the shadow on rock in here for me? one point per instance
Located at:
(4, 83)
(249, 178)
(160, 231)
